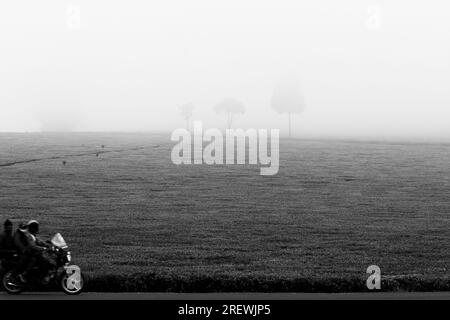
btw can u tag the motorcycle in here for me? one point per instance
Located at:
(64, 275)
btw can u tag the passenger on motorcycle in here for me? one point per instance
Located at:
(20, 241)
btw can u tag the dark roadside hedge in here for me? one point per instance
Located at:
(164, 283)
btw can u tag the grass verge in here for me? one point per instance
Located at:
(163, 283)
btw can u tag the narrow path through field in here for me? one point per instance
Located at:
(13, 163)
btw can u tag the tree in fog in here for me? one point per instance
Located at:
(186, 111)
(288, 98)
(230, 107)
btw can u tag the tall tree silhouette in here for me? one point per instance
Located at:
(288, 98)
(230, 107)
(186, 111)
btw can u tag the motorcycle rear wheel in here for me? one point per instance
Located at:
(10, 286)
(77, 287)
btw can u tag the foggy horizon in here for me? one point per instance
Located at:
(366, 69)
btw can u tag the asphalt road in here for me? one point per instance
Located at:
(232, 296)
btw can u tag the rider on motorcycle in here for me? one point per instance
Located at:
(32, 248)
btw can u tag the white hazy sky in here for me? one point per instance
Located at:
(368, 68)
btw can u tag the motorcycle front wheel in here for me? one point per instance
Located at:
(10, 283)
(71, 286)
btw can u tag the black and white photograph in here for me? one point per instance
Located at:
(238, 150)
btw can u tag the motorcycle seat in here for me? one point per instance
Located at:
(8, 254)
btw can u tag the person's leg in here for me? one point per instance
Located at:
(21, 267)
(22, 262)
(45, 264)
(41, 264)
(28, 264)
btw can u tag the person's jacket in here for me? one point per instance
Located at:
(35, 244)
(20, 241)
(26, 243)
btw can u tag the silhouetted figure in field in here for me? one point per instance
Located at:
(103, 146)
(64, 162)
(6, 238)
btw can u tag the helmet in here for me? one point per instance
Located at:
(33, 226)
(32, 222)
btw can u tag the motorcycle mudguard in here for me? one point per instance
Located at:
(74, 276)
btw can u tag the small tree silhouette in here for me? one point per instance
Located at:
(186, 111)
(287, 98)
(230, 107)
